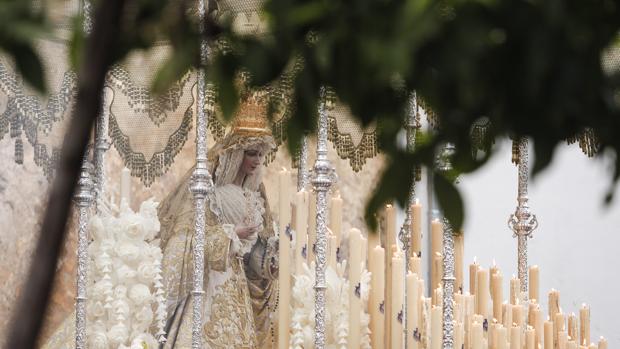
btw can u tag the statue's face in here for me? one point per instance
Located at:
(252, 159)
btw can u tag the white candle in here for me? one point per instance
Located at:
(502, 337)
(473, 275)
(398, 270)
(584, 322)
(515, 337)
(534, 279)
(301, 226)
(436, 249)
(476, 335)
(412, 310)
(333, 249)
(416, 227)
(390, 245)
(482, 293)
(497, 294)
(335, 218)
(284, 273)
(377, 320)
(355, 256)
(530, 338)
(515, 290)
(436, 328)
(554, 303)
(548, 334)
(126, 185)
(459, 251)
(602, 343)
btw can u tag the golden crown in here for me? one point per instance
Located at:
(251, 119)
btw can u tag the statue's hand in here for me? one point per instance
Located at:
(243, 232)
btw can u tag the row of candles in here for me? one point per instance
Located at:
(482, 319)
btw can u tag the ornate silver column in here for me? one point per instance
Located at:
(201, 184)
(444, 165)
(322, 181)
(302, 172)
(83, 199)
(522, 222)
(100, 147)
(411, 126)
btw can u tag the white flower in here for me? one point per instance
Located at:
(145, 316)
(118, 334)
(120, 291)
(135, 231)
(146, 272)
(95, 309)
(99, 290)
(139, 294)
(125, 273)
(98, 229)
(142, 340)
(97, 340)
(127, 251)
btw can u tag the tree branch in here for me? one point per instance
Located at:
(28, 316)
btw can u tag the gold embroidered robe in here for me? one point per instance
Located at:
(236, 302)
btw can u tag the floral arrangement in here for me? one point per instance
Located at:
(337, 308)
(126, 295)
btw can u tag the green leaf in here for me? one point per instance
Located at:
(30, 67)
(543, 154)
(77, 43)
(449, 200)
(173, 69)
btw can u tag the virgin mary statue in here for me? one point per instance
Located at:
(240, 247)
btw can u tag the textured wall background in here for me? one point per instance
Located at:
(23, 194)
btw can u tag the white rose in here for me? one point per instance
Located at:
(101, 259)
(127, 251)
(139, 294)
(98, 229)
(144, 339)
(120, 291)
(125, 273)
(121, 306)
(95, 309)
(146, 272)
(118, 334)
(100, 289)
(135, 231)
(97, 340)
(144, 317)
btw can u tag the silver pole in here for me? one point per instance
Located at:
(201, 183)
(411, 126)
(83, 199)
(322, 181)
(523, 222)
(444, 165)
(302, 172)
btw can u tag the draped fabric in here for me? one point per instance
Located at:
(239, 284)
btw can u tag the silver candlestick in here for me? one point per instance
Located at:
(83, 199)
(522, 222)
(201, 184)
(321, 181)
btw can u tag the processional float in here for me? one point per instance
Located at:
(41, 122)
